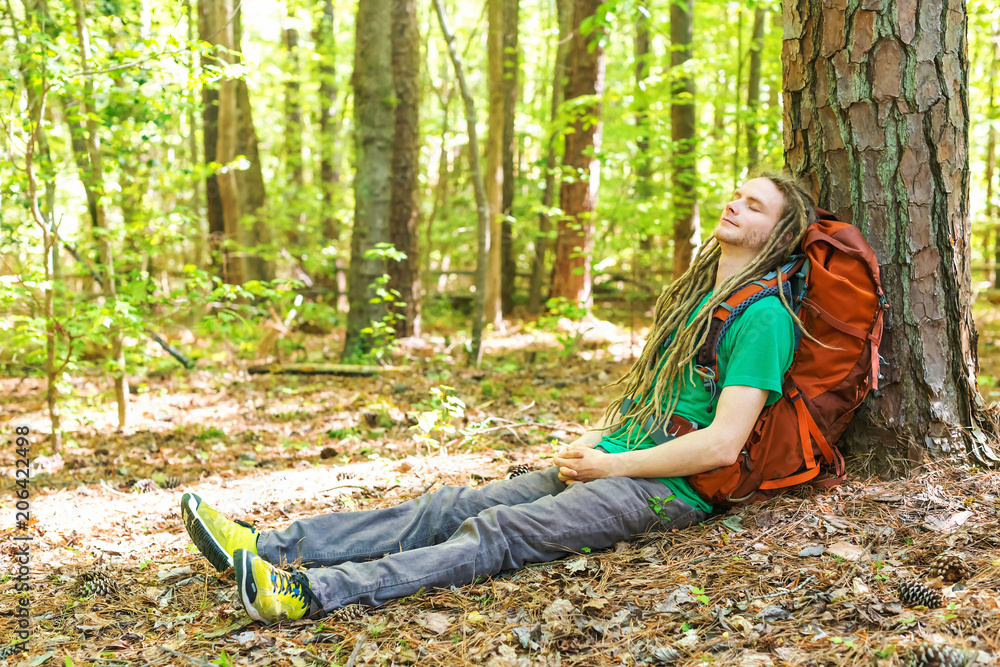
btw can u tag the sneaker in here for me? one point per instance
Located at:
(270, 594)
(216, 536)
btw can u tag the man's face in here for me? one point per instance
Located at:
(748, 220)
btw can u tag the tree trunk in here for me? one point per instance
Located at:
(571, 277)
(220, 255)
(753, 86)
(992, 198)
(225, 146)
(878, 128)
(444, 167)
(293, 141)
(494, 160)
(643, 167)
(250, 181)
(511, 65)
(682, 131)
(200, 238)
(97, 185)
(373, 137)
(564, 9)
(329, 153)
(482, 208)
(404, 275)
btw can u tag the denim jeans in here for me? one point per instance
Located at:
(457, 535)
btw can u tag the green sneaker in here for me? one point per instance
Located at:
(270, 594)
(216, 536)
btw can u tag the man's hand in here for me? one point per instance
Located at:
(583, 463)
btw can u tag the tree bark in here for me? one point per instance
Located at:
(329, 153)
(571, 277)
(97, 184)
(494, 160)
(201, 238)
(225, 146)
(564, 9)
(293, 140)
(682, 131)
(404, 275)
(373, 137)
(878, 128)
(753, 86)
(643, 166)
(992, 199)
(482, 208)
(207, 32)
(511, 66)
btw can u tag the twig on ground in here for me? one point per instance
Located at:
(357, 649)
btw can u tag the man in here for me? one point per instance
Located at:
(604, 484)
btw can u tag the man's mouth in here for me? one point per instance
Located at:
(730, 222)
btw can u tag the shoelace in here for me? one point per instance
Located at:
(295, 584)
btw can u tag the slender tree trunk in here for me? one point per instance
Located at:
(877, 126)
(97, 183)
(220, 256)
(643, 166)
(682, 131)
(992, 199)
(571, 277)
(200, 237)
(225, 147)
(373, 136)
(511, 65)
(564, 10)
(753, 86)
(404, 275)
(329, 140)
(494, 160)
(293, 140)
(250, 188)
(482, 207)
(441, 190)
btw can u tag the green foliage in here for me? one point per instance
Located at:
(437, 416)
(657, 504)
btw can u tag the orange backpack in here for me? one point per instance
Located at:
(834, 289)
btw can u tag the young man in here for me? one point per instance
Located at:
(603, 485)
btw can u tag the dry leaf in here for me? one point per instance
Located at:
(847, 551)
(435, 622)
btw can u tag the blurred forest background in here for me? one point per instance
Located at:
(214, 182)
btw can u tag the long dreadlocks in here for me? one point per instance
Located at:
(678, 300)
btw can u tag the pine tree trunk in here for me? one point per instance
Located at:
(753, 86)
(682, 131)
(373, 137)
(511, 65)
(207, 32)
(643, 166)
(877, 126)
(404, 275)
(494, 160)
(564, 10)
(571, 277)
(201, 238)
(225, 146)
(992, 197)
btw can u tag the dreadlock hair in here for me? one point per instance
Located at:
(678, 300)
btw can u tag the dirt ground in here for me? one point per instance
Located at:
(811, 578)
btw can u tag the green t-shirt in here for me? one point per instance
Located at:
(756, 351)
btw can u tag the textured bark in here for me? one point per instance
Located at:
(564, 9)
(482, 208)
(571, 277)
(329, 153)
(753, 86)
(877, 126)
(200, 238)
(682, 130)
(992, 200)
(643, 164)
(234, 269)
(373, 137)
(511, 65)
(494, 160)
(210, 138)
(404, 275)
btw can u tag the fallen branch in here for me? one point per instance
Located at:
(347, 370)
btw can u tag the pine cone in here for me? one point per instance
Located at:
(949, 567)
(371, 418)
(96, 583)
(518, 470)
(935, 655)
(145, 486)
(914, 593)
(171, 483)
(352, 612)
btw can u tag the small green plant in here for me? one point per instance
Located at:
(222, 660)
(657, 504)
(210, 433)
(382, 333)
(699, 595)
(560, 309)
(445, 407)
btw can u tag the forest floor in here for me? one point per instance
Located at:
(810, 578)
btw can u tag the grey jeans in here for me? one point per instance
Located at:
(457, 534)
